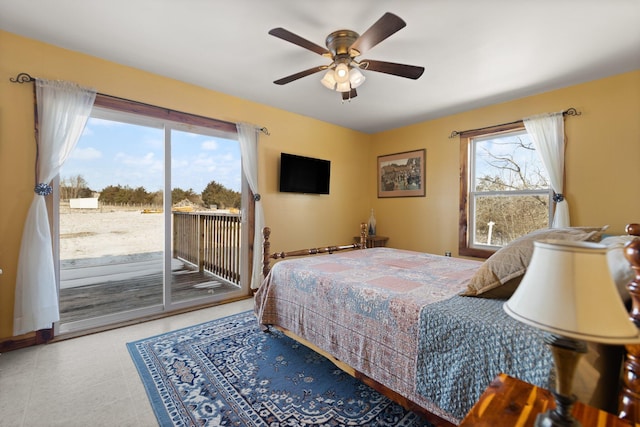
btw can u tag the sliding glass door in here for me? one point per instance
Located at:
(111, 227)
(148, 220)
(205, 219)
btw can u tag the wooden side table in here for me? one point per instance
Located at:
(510, 402)
(374, 241)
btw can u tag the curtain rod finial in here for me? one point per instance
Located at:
(22, 78)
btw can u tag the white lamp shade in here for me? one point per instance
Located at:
(342, 73)
(356, 78)
(329, 80)
(569, 291)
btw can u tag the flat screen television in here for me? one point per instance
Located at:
(299, 174)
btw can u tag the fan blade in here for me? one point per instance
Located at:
(347, 96)
(297, 40)
(402, 70)
(301, 74)
(383, 28)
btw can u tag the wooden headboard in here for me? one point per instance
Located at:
(629, 403)
(267, 256)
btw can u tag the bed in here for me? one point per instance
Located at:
(427, 330)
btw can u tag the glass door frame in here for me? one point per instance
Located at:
(168, 300)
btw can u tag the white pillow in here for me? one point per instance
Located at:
(500, 274)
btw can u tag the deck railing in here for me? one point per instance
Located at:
(210, 241)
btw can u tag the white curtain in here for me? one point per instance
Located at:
(63, 110)
(547, 131)
(248, 138)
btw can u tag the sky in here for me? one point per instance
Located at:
(116, 153)
(503, 145)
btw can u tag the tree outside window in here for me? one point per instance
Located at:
(505, 190)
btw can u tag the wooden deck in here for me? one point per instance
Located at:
(113, 296)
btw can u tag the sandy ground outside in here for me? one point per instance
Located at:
(110, 234)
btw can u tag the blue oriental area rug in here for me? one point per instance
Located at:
(228, 372)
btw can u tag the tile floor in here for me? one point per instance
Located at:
(87, 381)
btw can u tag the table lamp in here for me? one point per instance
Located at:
(569, 293)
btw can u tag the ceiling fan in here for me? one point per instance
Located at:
(343, 46)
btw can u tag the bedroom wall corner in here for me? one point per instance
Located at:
(602, 152)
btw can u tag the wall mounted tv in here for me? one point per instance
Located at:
(300, 174)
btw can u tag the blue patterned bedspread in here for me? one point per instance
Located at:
(464, 342)
(363, 307)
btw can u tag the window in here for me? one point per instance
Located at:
(505, 189)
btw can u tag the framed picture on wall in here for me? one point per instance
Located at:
(402, 174)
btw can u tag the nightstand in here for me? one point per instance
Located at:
(374, 241)
(509, 402)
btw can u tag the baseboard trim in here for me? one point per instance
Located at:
(42, 336)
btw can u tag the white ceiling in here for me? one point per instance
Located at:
(475, 52)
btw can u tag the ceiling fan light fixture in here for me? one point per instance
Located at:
(356, 77)
(329, 80)
(342, 73)
(343, 86)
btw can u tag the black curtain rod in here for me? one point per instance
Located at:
(569, 112)
(26, 78)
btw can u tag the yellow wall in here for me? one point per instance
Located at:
(295, 219)
(602, 162)
(602, 156)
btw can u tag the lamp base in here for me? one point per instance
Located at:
(566, 353)
(561, 415)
